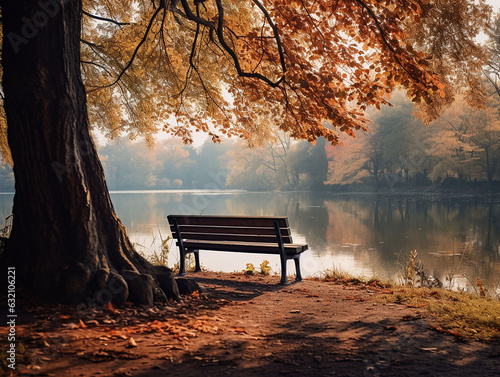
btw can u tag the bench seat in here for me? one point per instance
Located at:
(244, 247)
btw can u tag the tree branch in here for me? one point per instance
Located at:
(229, 50)
(275, 32)
(493, 83)
(129, 64)
(384, 39)
(105, 19)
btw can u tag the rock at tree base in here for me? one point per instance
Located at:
(166, 280)
(187, 286)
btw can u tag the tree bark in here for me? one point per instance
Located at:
(67, 243)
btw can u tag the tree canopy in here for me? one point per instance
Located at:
(236, 67)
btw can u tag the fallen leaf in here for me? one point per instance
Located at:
(100, 353)
(118, 334)
(239, 329)
(81, 325)
(446, 331)
(110, 308)
(132, 343)
(412, 317)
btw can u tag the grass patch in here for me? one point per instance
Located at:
(339, 276)
(462, 314)
(459, 313)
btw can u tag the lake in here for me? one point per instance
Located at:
(457, 239)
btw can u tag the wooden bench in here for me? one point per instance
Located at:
(260, 235)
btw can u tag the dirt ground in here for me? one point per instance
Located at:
(249, 326)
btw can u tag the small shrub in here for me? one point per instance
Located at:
(160, 258)
(414, 273)
(265, 269)
(250, 270)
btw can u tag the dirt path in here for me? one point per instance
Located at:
(250, 326)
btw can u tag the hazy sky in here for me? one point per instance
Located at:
(495, 3)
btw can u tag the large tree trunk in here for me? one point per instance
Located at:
(67, 243)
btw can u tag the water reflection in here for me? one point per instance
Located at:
(363, 234)
(366, 235)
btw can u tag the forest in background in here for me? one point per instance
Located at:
(460, 150)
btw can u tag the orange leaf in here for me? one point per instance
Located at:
(81, 325)
(109, 307)
(387, 291)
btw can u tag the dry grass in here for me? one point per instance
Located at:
(461, 314)
(340, 276)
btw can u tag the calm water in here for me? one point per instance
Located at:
(364, 235)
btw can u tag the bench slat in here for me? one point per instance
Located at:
(265, 231)
(250, 221)
(248, 247)
(234, 237)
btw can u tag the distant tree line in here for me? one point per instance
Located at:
(460, 149)
(281, 164)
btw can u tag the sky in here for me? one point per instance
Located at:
(495, 3)
(496, 8)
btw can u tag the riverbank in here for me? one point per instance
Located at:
(251, 326)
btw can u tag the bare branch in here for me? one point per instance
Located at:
(229, 50)
(96, 64)
(275, 32)
(219, 30)
(129, 64)
(191, 16)
(492, 82)
(105, 19)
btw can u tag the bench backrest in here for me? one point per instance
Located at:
(230, 228)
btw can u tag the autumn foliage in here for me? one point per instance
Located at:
(245, 68)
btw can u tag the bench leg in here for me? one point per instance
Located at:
(197, 267)
(283, 270)
(298, 276)
(182, 263)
